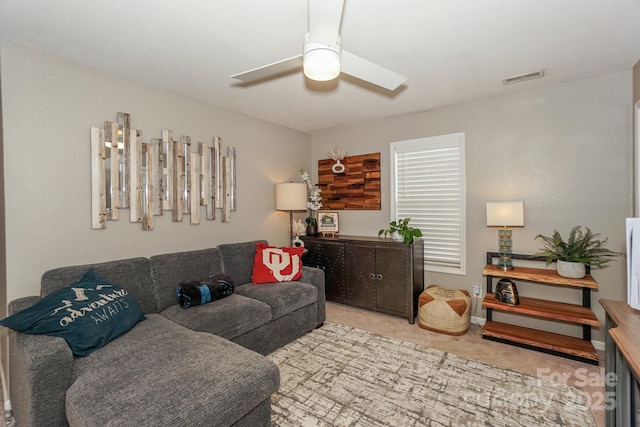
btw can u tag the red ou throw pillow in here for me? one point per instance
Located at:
(272, 264)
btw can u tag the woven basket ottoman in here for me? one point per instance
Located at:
(444, 310)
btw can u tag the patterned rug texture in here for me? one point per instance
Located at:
(341, 376)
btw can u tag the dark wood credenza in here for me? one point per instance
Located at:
(622, 364)
(369, 272)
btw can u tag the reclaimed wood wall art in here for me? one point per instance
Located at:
(164, 174)
(357, 188)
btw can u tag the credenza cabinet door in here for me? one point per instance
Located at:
(330, 257)
(393, 278)
(361, 262)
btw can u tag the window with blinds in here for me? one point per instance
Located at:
(428, 186)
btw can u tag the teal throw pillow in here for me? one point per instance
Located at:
(87, 314)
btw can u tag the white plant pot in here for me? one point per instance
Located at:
(397, 237)
(572, 270)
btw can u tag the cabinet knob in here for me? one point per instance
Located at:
(373, 276)
(379, 276)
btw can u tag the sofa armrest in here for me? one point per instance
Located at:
(315, 276)
(40, 372)
(21, 303)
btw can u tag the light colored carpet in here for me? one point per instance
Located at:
(588, 378)
(342, 376)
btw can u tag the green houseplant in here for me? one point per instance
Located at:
(582, 247)
(402, 228)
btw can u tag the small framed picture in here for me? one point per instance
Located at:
(328, 222)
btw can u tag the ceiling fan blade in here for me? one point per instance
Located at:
(273, 69)
(368, 71)
(324, 20)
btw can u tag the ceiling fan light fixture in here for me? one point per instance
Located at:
(321, 65)
(321, 62)
(323, 58)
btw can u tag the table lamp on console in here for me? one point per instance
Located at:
(505, 215)
(291, 196)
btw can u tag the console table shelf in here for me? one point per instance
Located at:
(548, 309)
(562, 345)
(540, 275)
(534, 338)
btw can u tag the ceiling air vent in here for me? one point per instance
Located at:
(523, 77)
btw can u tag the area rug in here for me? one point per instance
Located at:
(341, 376)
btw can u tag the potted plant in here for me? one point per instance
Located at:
(402, 229)
(581, 248)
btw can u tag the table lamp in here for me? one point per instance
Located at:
(505, 215)
(291, 196)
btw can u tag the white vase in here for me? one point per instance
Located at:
(572, 270)
(397, 237)
(337, 167)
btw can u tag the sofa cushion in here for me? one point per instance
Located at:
(238, 260)
(87, 314)
(272, 264)
(177, 377)
(170, 269)
(283, 298)
(133, 274)
(229, 317)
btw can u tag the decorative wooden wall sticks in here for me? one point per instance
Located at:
(98, 181)
(164, 174)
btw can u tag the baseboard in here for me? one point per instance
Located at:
(478, 320)
(598, 345)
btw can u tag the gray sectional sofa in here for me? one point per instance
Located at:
(201, 366)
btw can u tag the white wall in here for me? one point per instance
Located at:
(565, 150)
(49, 106)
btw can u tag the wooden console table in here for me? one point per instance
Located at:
(558, 344)
(622, 362)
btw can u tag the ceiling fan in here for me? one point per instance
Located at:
(323, 58)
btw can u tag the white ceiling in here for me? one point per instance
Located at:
(452, 51)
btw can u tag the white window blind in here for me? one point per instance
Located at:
(428, 186)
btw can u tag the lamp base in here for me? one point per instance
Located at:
(504, 267)
(505, 262)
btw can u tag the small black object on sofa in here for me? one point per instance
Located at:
(198, 292)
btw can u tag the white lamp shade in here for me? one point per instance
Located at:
(505, 214)
(291, 196)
